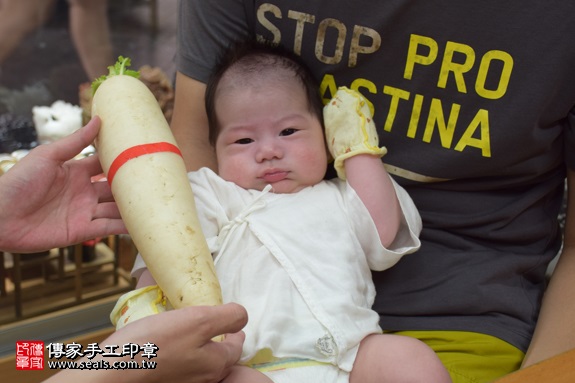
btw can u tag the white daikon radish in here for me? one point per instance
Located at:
(148, 177)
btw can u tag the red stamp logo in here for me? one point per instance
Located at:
(29, 355)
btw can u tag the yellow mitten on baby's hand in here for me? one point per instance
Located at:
(138, 304)
(349, 128)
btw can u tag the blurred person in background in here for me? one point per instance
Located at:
(88, 25)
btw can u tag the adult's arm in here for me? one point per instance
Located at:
(555, 332)
(190, 123)
(90, 32)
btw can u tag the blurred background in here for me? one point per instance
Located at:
(45, 66)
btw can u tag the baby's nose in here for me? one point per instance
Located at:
(268, 151)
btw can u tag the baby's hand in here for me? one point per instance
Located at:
(138, 304)
(349, 128)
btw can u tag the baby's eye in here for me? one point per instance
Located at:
(244, 141)
(288, 132)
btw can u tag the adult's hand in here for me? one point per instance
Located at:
(185, 352)
(48, 199)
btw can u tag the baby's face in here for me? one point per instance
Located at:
(268, 136)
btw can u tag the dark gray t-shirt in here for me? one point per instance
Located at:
(475, 103)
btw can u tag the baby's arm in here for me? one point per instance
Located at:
(353, 142)
(368, 177)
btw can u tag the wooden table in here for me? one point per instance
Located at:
(559, 369)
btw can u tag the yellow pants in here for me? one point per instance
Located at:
(471, 357)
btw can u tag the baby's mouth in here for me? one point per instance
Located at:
(275, 176)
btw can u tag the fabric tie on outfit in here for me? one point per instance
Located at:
(241, 219)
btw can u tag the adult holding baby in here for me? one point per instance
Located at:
(479, 131)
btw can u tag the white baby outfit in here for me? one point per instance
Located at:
(299, 263)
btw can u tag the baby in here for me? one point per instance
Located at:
(294, 249)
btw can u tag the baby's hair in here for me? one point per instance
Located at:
(246, 60)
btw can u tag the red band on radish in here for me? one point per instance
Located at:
(137, 151)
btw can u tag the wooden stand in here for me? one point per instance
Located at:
(62, 284)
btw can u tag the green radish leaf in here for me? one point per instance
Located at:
(120, 68)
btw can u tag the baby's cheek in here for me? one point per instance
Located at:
(237, 173)
(226, 171)
(316, 156)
